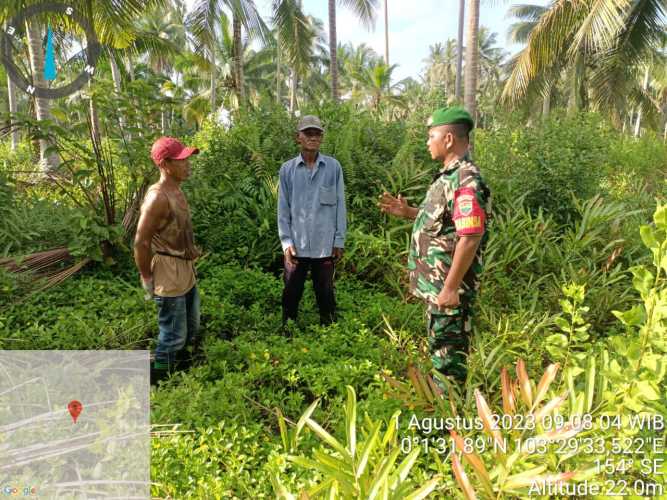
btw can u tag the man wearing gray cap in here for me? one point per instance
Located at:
(312, 221)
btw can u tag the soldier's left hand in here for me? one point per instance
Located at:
(448, 298)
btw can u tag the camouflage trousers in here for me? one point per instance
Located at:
(449, 332)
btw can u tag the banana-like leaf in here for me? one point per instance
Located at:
(302, 421)
(284, 435)
(475, 461)
(545, 382)
(369, 446)
(404, 468)
(383, 474)
(328, 438)
(590, 384)
(351, 421)
(391, 429)
(462, 478)
(424, 491)
(523, 478)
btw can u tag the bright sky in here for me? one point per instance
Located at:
(414, 25)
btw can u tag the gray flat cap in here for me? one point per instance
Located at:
(309, 121)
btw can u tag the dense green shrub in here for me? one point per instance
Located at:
(568, 154)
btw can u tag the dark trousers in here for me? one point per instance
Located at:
(322, 273)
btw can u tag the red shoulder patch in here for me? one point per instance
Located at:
(468, 216)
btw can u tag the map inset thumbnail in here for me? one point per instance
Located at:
(103, 453)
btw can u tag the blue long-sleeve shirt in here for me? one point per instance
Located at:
(311, 206)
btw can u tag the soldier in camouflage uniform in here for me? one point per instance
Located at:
(448, 237)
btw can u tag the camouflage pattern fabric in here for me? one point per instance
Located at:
(449, 337)
(457, 203)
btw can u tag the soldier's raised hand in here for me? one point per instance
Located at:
(392, 205)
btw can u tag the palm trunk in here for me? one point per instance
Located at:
(278, 68)
(546, 103)
(163, 121)
(115, 74)
(292, 92)
(238, 59)
(129, 66)
(333, 45)
(42, 106)
(13, 108)
(386, 33)
(639, 108)
(94, 121)
(213, 81)
(459, 52)
(472, 59)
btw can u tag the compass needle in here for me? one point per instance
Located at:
(50, 58)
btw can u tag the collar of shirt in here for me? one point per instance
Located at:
(318, 161)
(449, 168)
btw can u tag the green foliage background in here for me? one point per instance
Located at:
(569, 197)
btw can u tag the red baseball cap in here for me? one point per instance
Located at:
(172, 149)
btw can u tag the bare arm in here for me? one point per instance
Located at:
(154, 211)
(464, 254)
(397, 206)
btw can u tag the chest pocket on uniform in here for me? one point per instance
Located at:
(327, 195)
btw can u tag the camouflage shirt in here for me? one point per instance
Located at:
(457, 203)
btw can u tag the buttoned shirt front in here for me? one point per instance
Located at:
(311, 206)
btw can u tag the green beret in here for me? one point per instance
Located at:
(449, 116)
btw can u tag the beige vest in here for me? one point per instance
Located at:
(174, 251)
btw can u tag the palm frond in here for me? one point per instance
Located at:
(366, 10)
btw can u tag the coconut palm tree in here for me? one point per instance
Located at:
(365, 11)
(472, 58)
(441, 65)
(601, 47)
(386, 32)
(375, 83)
(459, 50)
(527, 17)
(295, 40)
(204, 23)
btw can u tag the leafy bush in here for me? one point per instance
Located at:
(566, 155)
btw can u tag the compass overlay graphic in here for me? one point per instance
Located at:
(11, 40)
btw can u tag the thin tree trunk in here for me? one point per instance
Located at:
(664, 135)
(546, 103)
(386, 33)
(214, 83)
(333, 45)
(459, 50)
(13, 108)
(163, 121)
(639, 108)
(278, 68)
(115, 74)
(472, 59)
(292, 93)
(129, 66)
(94, 118)
(42, 106)
(238, 59)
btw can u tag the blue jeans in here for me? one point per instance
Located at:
(178, 321)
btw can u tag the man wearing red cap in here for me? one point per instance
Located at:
(164, 252)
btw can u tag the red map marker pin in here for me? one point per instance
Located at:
(75, 409)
